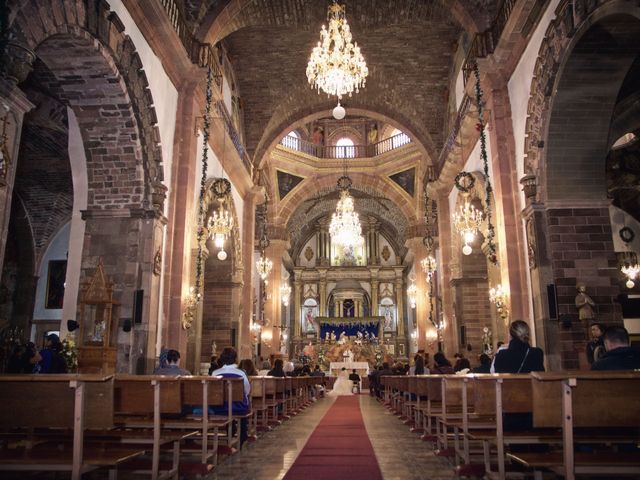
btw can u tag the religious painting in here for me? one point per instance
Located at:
(309, 314)
(286, 183)
(56, 277)
(406, 180)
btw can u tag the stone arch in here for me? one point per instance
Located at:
(381, 186)
(97, 36)
(568, 36)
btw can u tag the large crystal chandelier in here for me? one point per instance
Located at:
(345, 228)
(468, 219)
(336, 65)
(631, 271)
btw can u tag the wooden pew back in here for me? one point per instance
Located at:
(47, 401)
(133, 394)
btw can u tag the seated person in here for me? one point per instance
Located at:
(229, 369)
(355, 378)
(619, 355)
(172, 367)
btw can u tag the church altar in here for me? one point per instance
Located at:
(361, 367)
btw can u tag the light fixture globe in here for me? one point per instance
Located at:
(339, 112)
(467, 250)
(222, 255)
(630, 284)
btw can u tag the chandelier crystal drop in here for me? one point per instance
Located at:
(345, 228)
(220, 226)
(336, 65)
(467, 222)
(631, 271)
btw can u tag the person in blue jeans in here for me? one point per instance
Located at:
(229, 369)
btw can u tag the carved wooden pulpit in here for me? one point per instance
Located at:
(96, 349)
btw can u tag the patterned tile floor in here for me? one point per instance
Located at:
(401, 455)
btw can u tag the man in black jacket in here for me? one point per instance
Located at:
(620, 355)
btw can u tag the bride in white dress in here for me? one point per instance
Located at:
(342, 386)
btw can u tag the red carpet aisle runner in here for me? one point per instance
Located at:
(339, 447)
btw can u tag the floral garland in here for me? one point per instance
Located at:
(491, 233)
(203, 179)
(69, 352)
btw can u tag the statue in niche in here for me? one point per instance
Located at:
(584, 303)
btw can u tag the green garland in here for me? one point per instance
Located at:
(491, 233)
(470, 178)
(203, 180)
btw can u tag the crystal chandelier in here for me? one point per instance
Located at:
(467, 222)
(412, 293)
(220, 226)
(631, 271)
(336, 65)
(345, 228)
(263, 265)
(429, 266)
(285, 293)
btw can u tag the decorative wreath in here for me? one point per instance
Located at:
(470, 180)
(626, 234)
(221, 187)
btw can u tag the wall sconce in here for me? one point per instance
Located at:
(429, 266)
(414, 337)
(499, 296)
(412, 293)
(285, 293)
(190, 307)
(432, 336)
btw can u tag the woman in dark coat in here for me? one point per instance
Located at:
(520, 357)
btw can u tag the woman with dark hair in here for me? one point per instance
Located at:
(418, 365)
(520, 357)
(248, 367)
(442, 366)
(278, 369)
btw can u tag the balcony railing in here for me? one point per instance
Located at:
(345, 151)
(221, 110)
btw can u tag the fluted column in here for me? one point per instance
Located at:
(374, 292)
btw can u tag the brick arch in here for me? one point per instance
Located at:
(74, 40)
(218, 23)
(567, 38)
(287, 207)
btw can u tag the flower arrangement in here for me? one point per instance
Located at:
(69, 352)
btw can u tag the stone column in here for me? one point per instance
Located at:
(109, 233)
(400, 303)
(182, 228)
(18, 104)
(448, 271)
(510, 238)
(297, 306)
(374, 292)
(248, 291)
(422, 300)
(273, 306)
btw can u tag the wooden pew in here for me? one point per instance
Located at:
(586, 405)
(66, 403)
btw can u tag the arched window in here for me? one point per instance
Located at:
(291, 140)
(399, 138)
(345, 148)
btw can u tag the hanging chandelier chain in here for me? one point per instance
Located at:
(203, 181)
(492, 252)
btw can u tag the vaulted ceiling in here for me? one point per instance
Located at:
(409, 47)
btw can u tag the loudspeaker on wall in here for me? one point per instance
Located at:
(138, 297)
